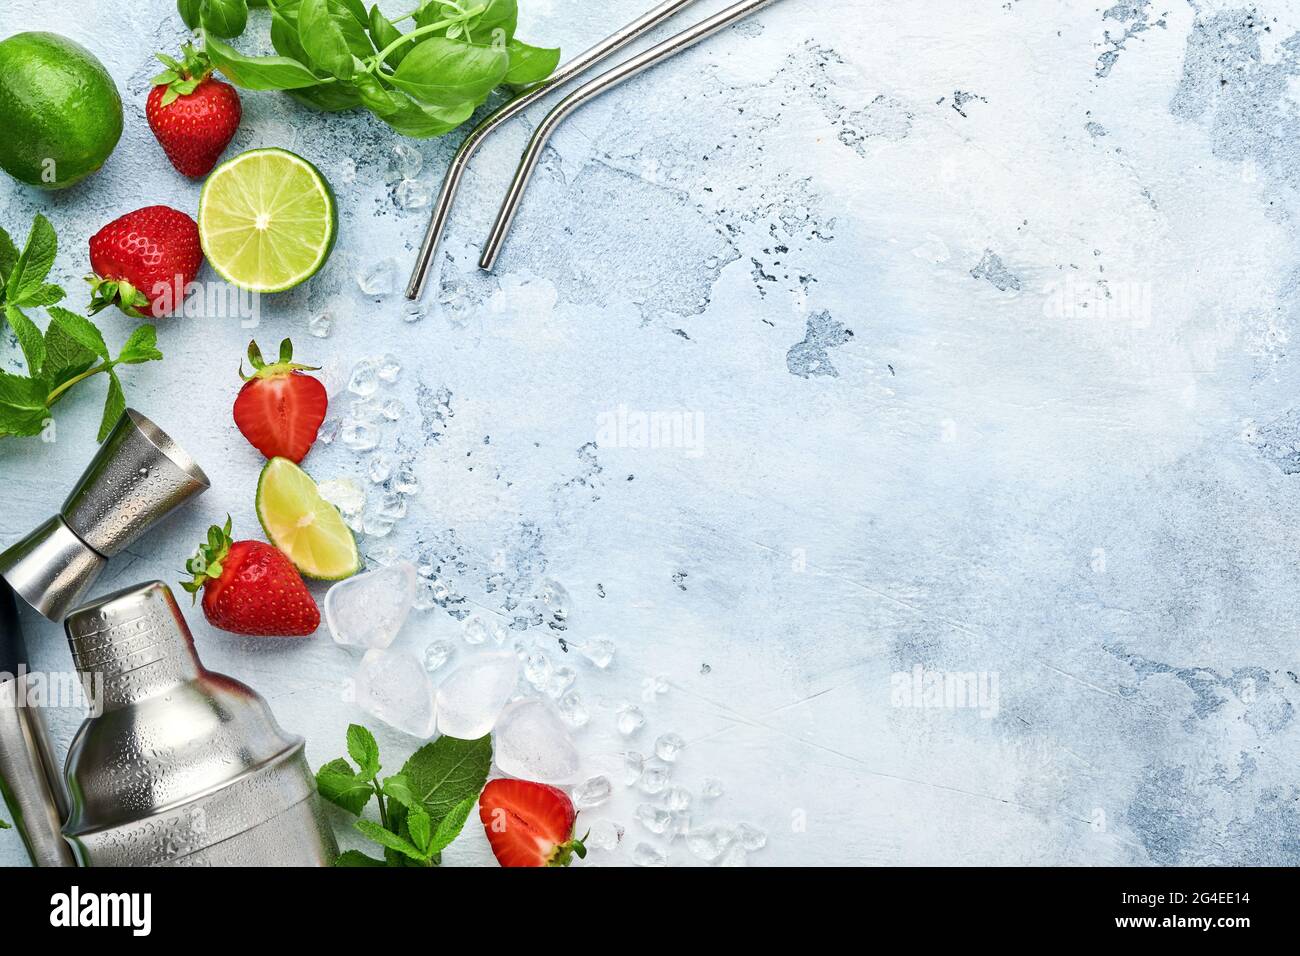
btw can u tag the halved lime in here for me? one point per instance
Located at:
(304, 525)
(267, 220)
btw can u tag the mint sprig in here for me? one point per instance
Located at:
(69, 351)
(422, 808)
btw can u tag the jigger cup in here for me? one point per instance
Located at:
(138, 476)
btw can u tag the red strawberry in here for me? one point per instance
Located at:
(279, 409)
(193, 116)
(250, 587)
(529, 824)
(144, 261)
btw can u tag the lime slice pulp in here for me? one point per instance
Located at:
(304, 525)
(267, 220)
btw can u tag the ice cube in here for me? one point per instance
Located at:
(592, 792)
(655, 819)
(708, 843)
(677, 798)
(646, 855)
(404, 162)
(471, 697)
(556, 598)
(532, 742)
(368, 610)
(376, 525)
(630, 720)
(394, 687)
(389, 368)
(413, 312)
(412, 194)
(712, 788)
(654, 779)
(537, 669)
(393, 409)
(572, 710)
(668, 746)
(604, 835)
(600, 652)
(561, 680)
(365, 378)
(319, 325)
(437, 654)
(344, 494)
(378, 279)
(328, 431)
(405, 481)
(358, 436)
(750, 836)
(380, 468)
(392, 506)
(477, 629)
(633, 765)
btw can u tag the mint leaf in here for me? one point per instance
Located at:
(364, 750)
(43, 294)
(114, 406)
(388, 839)
(29, 336)
(8, 256)
(398, 788)
(420, 827)
(357, 858)
(35, 261)
(448, 771)
(22, 405)
(451, 825)
(339, 784)
(65, 358)
(80, 329)
(142, 346)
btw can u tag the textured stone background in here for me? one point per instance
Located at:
(984, 310)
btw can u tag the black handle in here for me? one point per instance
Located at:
(13, 651)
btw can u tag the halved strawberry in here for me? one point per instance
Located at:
(529, 824)
(280, 409)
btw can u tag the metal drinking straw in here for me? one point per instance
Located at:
(588, 91)
(456, 171)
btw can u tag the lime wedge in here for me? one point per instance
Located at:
(304, 525)
(267, 220)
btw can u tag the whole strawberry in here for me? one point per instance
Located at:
(529, 824)
(250, 587)
(280, 409)
(193, 116)
(143, 262)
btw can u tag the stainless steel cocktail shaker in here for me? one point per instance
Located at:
(181, 766)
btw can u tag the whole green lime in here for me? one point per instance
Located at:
(59, 110)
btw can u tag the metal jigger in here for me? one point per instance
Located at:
(138, 476)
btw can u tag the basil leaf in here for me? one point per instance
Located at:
(377, 98)
(225, 18)
(530, 64)
(444, 72)
(422, 122)
(356, 8)
(329, 97)
(500, 15)
(258, 72)
(190, 11)
(383, 32)
(284, 35)
(323, 39)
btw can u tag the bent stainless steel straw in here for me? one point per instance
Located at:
(456, 171)
(590, 90)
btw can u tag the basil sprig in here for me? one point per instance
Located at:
(337, 55)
